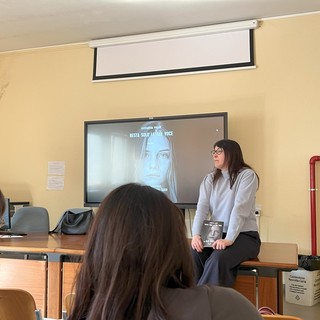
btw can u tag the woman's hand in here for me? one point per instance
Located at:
(221, 244)
(196, 243)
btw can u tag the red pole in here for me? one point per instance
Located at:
(313, 204)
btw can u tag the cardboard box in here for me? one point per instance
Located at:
(302, 287)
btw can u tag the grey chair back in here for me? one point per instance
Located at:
(30, 220)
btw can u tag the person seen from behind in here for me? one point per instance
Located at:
(2, 204)
(138, 266)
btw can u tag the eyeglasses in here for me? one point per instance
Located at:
(217, 151)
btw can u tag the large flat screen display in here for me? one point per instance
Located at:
(171, 154)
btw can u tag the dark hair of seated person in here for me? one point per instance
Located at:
(2, 204)
(136, 246)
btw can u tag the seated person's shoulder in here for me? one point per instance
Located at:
(208, 302)
(221, 300)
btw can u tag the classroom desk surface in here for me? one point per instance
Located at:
(36, 243)
(283, 256)
(272, 260)
(45, 243)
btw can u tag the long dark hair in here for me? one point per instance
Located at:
(233, 158)
(2, 204)
(137, 245)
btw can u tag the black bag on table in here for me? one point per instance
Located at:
(308, 262)
(75, 221)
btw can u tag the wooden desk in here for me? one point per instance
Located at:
(43, 274)
(273, 259)
(24, 264)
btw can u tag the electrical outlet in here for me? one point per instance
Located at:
(258, 210)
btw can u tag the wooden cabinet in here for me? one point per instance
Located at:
(69, 272)
(30, 275)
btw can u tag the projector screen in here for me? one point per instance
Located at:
(171, 154)
(192, 54)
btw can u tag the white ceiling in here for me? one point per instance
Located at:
(26, 24)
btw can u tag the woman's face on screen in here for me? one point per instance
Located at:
(156, 161)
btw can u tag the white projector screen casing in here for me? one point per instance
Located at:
(198, 53)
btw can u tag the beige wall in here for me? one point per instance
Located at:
(274, 112)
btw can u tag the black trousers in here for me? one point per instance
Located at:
(219, 267)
